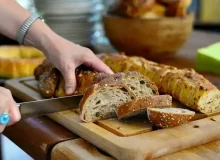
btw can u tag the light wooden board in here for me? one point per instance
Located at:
(80, 149)
(77, 149)
(142, 146)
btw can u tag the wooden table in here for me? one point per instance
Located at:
(42, 138)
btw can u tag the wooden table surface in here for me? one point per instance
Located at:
(42, 138)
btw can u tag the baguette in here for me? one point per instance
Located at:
(139, 106)
(102, 99)
(169, 117)
(185, 85)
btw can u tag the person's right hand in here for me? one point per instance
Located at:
(9, 106)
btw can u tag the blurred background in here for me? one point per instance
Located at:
(80, 21)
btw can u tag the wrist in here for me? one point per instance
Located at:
(40, 36)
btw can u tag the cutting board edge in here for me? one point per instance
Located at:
(133, 153)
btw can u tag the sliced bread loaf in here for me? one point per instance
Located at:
(139, 106)
(102, 99)
(185, 85)
(169, 117)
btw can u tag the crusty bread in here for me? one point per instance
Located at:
(134, 8)
(52, 84)
(19, 61)
(48, 82)
(45, 66)
(178, 8)
(84, 80)
(169, 117)
(101, 101)
(139, 106)
(157, 11)
(185, 85)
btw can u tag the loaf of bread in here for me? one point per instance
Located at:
(151, 8)
(178, 8)
(157, 11)
(169, 117)
(134, 8)
(138, 106)
(102, 99)
(19, 61)
(185, 85)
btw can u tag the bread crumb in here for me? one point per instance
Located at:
(195, 126)
(212, 119)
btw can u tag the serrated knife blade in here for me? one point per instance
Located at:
(48, 106)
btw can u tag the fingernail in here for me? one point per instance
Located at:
(69, 90)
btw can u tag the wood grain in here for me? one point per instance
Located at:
(126, 128)
(210, 151)
(80, 149)
(77, 149)
(37, 136)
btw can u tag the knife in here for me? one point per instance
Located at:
(47, 106)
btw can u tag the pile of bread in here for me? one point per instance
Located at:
(138, 88)
(151, 8)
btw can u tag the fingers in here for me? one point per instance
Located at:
(70, 81)
(14, 114)
(8, 106)
(97, 64)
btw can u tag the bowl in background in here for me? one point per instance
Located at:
(153, 39)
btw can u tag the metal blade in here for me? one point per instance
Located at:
(47, 106)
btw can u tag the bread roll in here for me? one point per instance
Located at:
(134, 8)
(178, 8)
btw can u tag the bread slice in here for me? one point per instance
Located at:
(169, 117)
(101, 101)
(139, 106)
(139, 85)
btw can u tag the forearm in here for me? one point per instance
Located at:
(12, 17)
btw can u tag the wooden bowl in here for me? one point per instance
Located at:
(150, 38)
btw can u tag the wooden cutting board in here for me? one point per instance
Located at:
(127, 140)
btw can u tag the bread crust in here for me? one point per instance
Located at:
(139, 104)
(41, 68)
(19, 61)
(166, 120)
(169, 80)
(48, 82)
(134, 8)
(115, 80)
(84, 79)
(178, 8)
(94, 89)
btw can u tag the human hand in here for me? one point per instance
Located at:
(67, 56)
(9, 106)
